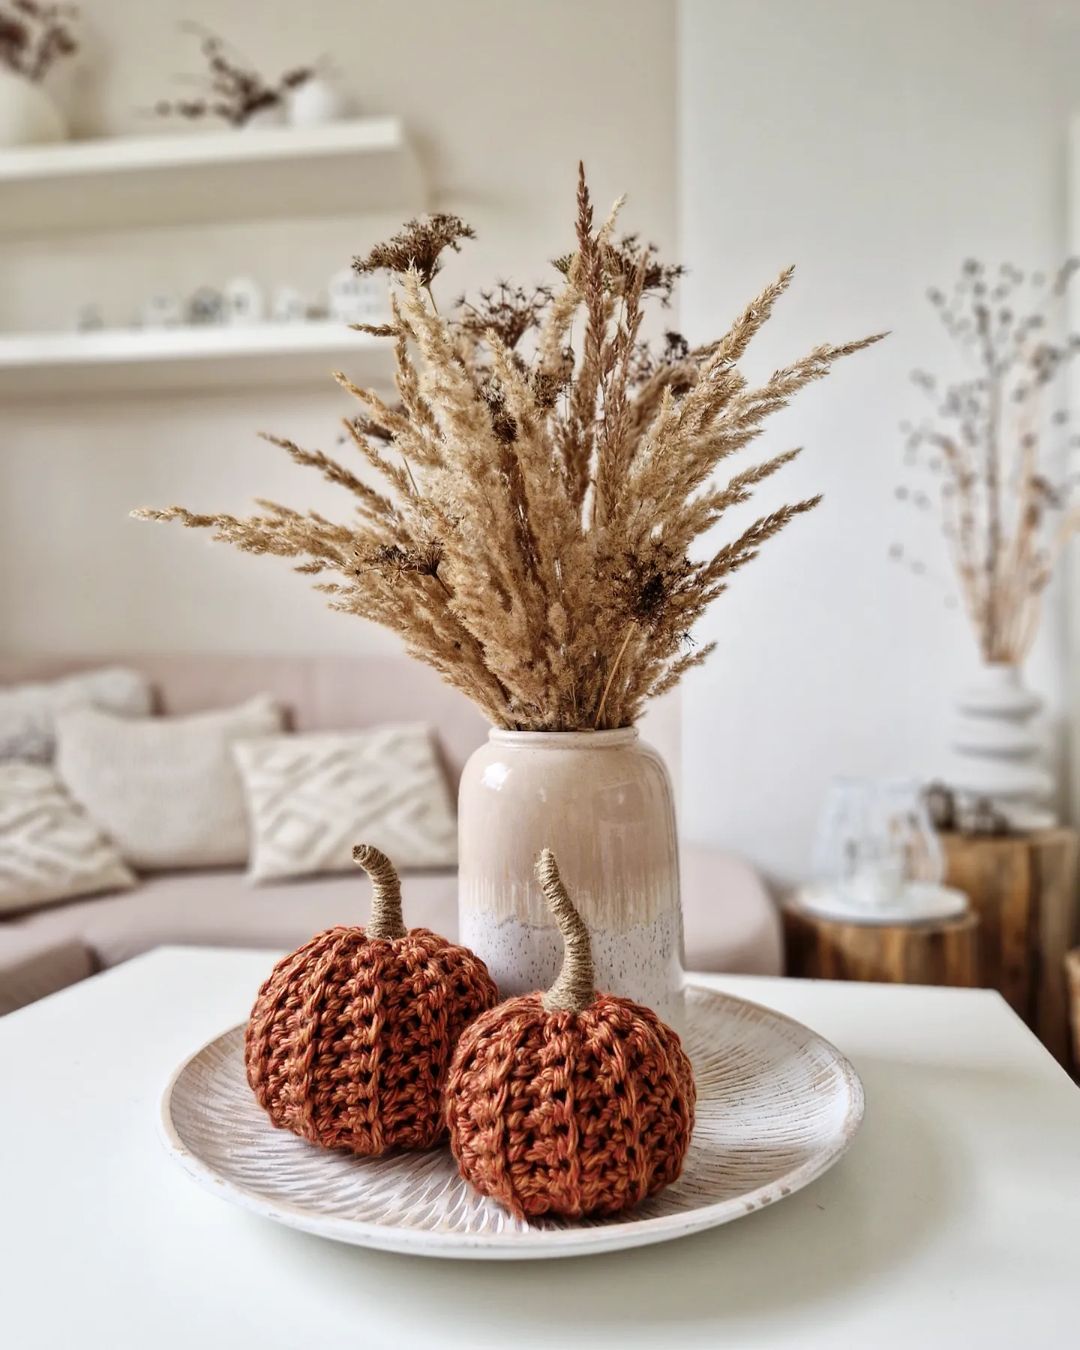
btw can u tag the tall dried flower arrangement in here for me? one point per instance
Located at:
(34, 36)
(1006, 513)
(533, 537)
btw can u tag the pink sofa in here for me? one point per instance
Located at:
(730, 921)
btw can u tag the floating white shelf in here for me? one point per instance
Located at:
(344, 168)
(43, 365)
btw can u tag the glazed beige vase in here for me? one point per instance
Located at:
(602, 802)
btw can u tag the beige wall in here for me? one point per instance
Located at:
(874, 145)
(503, 98)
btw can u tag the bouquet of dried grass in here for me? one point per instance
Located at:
(532, 536)
(1005, 512)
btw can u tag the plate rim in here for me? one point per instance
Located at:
(537, 1243)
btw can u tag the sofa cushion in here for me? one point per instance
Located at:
(50, 850)
(731, 923)
(312, 798)
(28, 711)
(165, 789)
(219, 908)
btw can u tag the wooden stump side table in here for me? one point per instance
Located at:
(944, 951)
(1072, 970)
(1024, 890)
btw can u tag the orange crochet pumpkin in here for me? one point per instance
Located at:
(350, 1038)
(569, 1102)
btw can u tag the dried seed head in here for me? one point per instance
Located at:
(506, 310)
(418, 246)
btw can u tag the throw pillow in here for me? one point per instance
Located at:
(164, 788)
(28, 711)
(49, 849)
(311, 798)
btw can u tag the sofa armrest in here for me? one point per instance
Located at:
(731, 921)
(32, 967)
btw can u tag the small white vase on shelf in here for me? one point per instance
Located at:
(28, 115)
(315, 103)
(999, 752)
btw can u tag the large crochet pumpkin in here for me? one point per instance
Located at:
(570, 1102)
(351, 1037)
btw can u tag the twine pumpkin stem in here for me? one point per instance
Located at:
(574, 990)
(386, 920)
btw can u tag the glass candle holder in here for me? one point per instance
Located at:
(874, 839)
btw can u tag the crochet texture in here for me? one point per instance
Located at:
(570, 1113)
(351, 1037)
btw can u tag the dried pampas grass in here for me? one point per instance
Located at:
(532, 536)
(1002, 445)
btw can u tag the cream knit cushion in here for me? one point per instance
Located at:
(28, 711)
(49, 849)
(164, 788)
(311, 798)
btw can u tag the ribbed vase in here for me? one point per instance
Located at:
(602, 801)
(1000, 752)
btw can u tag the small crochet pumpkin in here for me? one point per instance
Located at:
(350, 1038)
(570, 1102)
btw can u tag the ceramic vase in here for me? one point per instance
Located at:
(315, 103)
(998, 747)
(602, 801)
(28, 115)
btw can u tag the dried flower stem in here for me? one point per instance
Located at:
(614, 667)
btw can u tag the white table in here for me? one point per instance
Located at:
(953, 1221)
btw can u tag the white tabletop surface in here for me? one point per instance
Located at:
(954, 1220)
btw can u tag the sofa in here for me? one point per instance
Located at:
(730, 921)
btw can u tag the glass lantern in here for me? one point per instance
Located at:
(874, 841)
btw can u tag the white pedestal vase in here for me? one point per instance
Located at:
(999, 750)
(602, 801)
(28, 115)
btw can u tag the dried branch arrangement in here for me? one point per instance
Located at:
(234, 91)
(33, 37)
(532, 536)
(1006, 510)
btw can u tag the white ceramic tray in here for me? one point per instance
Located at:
(777, 1105)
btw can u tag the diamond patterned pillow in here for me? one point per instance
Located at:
(311, 798)
(49, 849)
